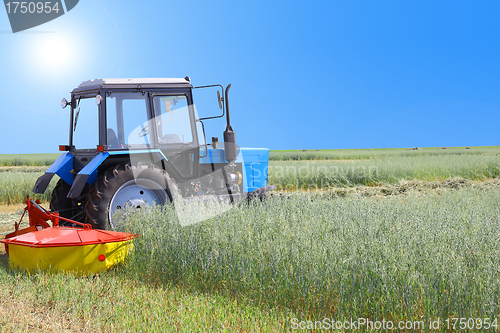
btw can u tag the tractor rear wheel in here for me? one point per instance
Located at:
(65, 206)
(123, 186)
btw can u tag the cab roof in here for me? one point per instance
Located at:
(134, 83)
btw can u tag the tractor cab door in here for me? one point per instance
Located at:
(127, 121)
(174, 121)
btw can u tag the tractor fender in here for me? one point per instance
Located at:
(87, 175)
(62, 167)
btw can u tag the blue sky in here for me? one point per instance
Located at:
(305, 75)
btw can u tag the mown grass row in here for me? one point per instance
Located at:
(357, 154)
(399, 258)
(110, 302)
(310, 175)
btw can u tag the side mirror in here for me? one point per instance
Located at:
(220, 100)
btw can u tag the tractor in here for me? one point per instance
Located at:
(140, 142)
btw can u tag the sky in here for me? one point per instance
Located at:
(305, 75)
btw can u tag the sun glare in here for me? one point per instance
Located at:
(54, 53)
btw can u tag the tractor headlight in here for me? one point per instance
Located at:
(64, 103)
(98, 99)
(235, 178)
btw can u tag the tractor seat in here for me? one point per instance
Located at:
(112, 139)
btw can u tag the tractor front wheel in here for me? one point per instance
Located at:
(126, 186)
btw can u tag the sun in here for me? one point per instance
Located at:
(53, 52)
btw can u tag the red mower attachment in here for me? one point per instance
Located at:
(61, 248)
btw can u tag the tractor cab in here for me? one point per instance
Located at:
(134, 142)
(131, 115)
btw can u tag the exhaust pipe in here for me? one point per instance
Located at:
(229, 135)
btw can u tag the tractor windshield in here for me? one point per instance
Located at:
(86, 124)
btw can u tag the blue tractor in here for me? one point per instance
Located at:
(138, 142)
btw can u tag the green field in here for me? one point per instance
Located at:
(17, 182)
(392, 234)
(309, 256)
(357, 154)
(375, 169)
(27, 159)
(318, 256)
(386, 169)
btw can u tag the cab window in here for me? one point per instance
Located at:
(173, 120)
(127, 121)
